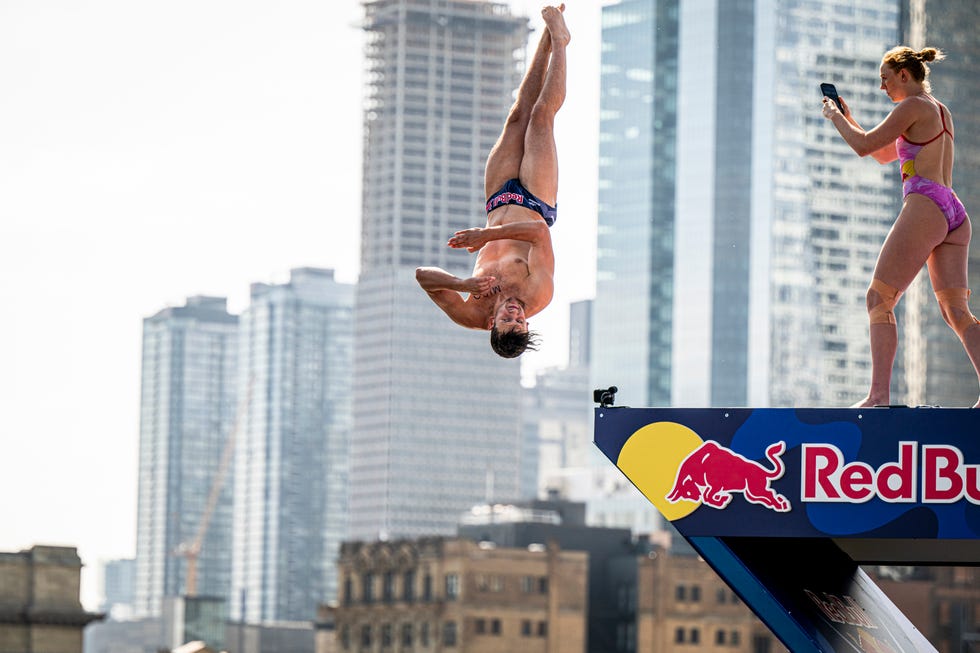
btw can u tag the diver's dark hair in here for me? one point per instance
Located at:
(511, 344)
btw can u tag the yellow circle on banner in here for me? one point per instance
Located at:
(650, 459)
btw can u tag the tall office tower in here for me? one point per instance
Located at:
(580, 333)
(292, 455)
(737, 232)
(187, 409)
(118, 588)
(946, 376)
(557, 415)
(632, 312)
(436, 413)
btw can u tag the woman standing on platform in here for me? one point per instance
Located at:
(932, 228)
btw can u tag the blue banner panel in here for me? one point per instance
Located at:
(899, 474)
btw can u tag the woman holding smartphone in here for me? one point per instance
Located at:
(932, 228)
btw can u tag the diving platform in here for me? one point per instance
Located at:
(785, 504)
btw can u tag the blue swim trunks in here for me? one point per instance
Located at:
(513, 192)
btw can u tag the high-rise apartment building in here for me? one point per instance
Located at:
(737, 232)
(436, 413)
(945, 375)
(290, 498)
(187, 407)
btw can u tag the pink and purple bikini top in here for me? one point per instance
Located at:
(907, 150)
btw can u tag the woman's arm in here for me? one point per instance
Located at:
(878, 142)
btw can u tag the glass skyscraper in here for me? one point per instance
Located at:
(437, 424)
(187, 407)
(737, 232)
(632, 313)
(290, 499)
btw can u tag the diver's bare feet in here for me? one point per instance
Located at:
(555, 21)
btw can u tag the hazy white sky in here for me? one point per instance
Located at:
(150, 151)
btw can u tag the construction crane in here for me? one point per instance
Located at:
(190, 550)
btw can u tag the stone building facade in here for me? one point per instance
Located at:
(39, 606)
(454, 594)
(682, 606)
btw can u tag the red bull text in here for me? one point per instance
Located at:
(943, 476)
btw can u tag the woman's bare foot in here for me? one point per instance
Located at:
(869, 402)
(555, 21)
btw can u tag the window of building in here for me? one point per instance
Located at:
(525, 627)
(452, 586)
(543, 585)
(542, 629)
(408, 586)
(449, 633)
(480, 626)
(696, 593)
(495, 627)
(720, 595)
(386, 636)
(695, 636)
(735, 638)
(388, 586)
(527, 584)
(367, 587)
(720, 637)
(424, 633)
(679, 636)
(345, 636)
(680, 593)
(761, 644)
(366, 636)
(427, 587)
(407, 635)
(348, 590)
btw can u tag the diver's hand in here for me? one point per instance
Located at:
(478, 286)
(472, 239)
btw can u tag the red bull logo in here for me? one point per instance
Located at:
(712, 473)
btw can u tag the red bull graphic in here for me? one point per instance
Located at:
(816, 472)
(711, 473)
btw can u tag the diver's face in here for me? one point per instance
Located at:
(510, 316)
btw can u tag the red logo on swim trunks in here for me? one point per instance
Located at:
(711, 473)
(505, 198)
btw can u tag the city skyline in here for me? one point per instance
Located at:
(149, 156)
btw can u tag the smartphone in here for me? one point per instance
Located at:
(829, 90)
